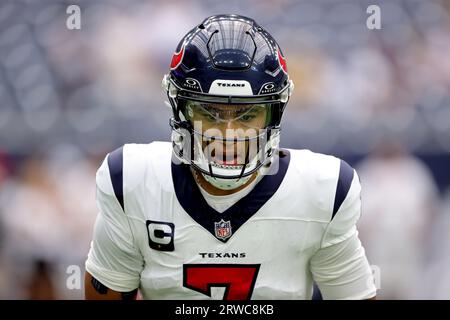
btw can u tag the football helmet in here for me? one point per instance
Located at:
(228, 87)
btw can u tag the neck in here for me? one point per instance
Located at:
(212, 190)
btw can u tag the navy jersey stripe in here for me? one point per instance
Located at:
(343, 185)
(115, 164)
(192, 201)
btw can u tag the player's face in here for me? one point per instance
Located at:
(235, 123)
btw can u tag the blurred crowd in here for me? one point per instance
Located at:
(377, 98)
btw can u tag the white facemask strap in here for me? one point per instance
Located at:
(226, 184)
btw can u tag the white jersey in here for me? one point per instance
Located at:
(156, 232)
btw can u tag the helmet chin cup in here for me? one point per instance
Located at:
(226, 184)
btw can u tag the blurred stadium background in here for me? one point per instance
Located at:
(380, 99)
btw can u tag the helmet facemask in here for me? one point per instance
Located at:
(226, 143)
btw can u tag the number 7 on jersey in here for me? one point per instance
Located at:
(238, 279)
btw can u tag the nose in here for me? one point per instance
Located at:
(227, 124)
(230, 129)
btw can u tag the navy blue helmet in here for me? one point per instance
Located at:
(228, 62)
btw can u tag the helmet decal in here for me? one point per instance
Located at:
(282, 60)
(236, 87)
(192, 84)
(268, 87)
(177, 58)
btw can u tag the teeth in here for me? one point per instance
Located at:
(222, 166)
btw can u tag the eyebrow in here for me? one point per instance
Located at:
(246, 108)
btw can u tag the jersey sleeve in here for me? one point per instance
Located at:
(114, 259)
(339, 266)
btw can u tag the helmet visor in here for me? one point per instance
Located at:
(228, 135)
(226, 116)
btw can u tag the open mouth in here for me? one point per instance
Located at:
(226, 157)
(233, 162)
(227, 161)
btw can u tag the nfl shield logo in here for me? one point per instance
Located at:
(223, 229)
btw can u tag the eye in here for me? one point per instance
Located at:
(208, 116)
(247, 117)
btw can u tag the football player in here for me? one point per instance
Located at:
(222, 211)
